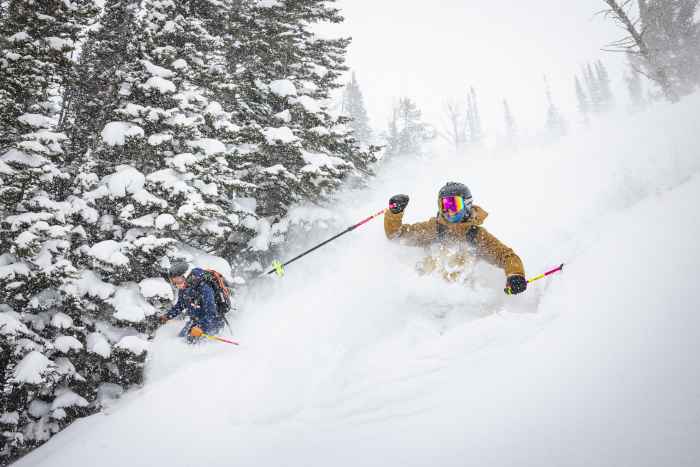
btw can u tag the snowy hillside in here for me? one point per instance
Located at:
(354, 359)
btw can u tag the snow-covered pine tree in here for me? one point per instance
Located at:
(157, 167)
(594, 92)
(555, 124)
(157, 179)
(35, 61)
(407, 132)
(92, 318)
(354, 107)
(671, 31)
(635, 90)
(603, 79)
(290, 145)
(41, 389)
(150, 176)
(391, 136)
(510, 126)
(474, 118)
(584, 105)
(108, 57)
(663, 41)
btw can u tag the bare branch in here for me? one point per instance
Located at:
(636, 44)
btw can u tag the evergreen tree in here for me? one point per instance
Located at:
(193, 125)
(603, 79)
(511, 128)
(473, 118)
(157, 177)
(42, 390)
(109, 58)
(290, 145)
(671, 31)
(594, 91)
(407, 132)
(635, 90)
(663, 41)
(584, 106)
(164, 126)
(354, 107)
(555, 123)
(392, 133)
(36, 44)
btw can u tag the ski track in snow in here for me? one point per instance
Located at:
(353, 357)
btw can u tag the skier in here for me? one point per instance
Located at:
(454, 237)
(196, 299)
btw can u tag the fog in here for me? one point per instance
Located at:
(433, 51)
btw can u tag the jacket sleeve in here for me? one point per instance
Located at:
(491, 250)
(179, 305)
(420, 234)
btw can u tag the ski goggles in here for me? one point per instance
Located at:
(454, 204)
(454, 208)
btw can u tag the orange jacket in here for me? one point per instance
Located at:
(464, 240)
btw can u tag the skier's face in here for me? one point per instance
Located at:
(178, 281)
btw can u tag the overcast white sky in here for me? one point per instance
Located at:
(433, 50)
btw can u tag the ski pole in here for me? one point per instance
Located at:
(220, 339)
(197, 332)
(278, 267)
(541, 276)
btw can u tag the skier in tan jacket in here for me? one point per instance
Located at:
(454, 237)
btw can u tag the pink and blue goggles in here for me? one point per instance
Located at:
(454, 208)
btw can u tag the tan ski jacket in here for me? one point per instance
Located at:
(457, 243)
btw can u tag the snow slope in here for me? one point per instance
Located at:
(354, 359)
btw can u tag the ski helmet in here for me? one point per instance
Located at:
(177, 269)
(459, 190)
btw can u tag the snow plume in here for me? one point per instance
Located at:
(593, 366)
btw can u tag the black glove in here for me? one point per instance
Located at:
(515, 285)
(399, 203)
